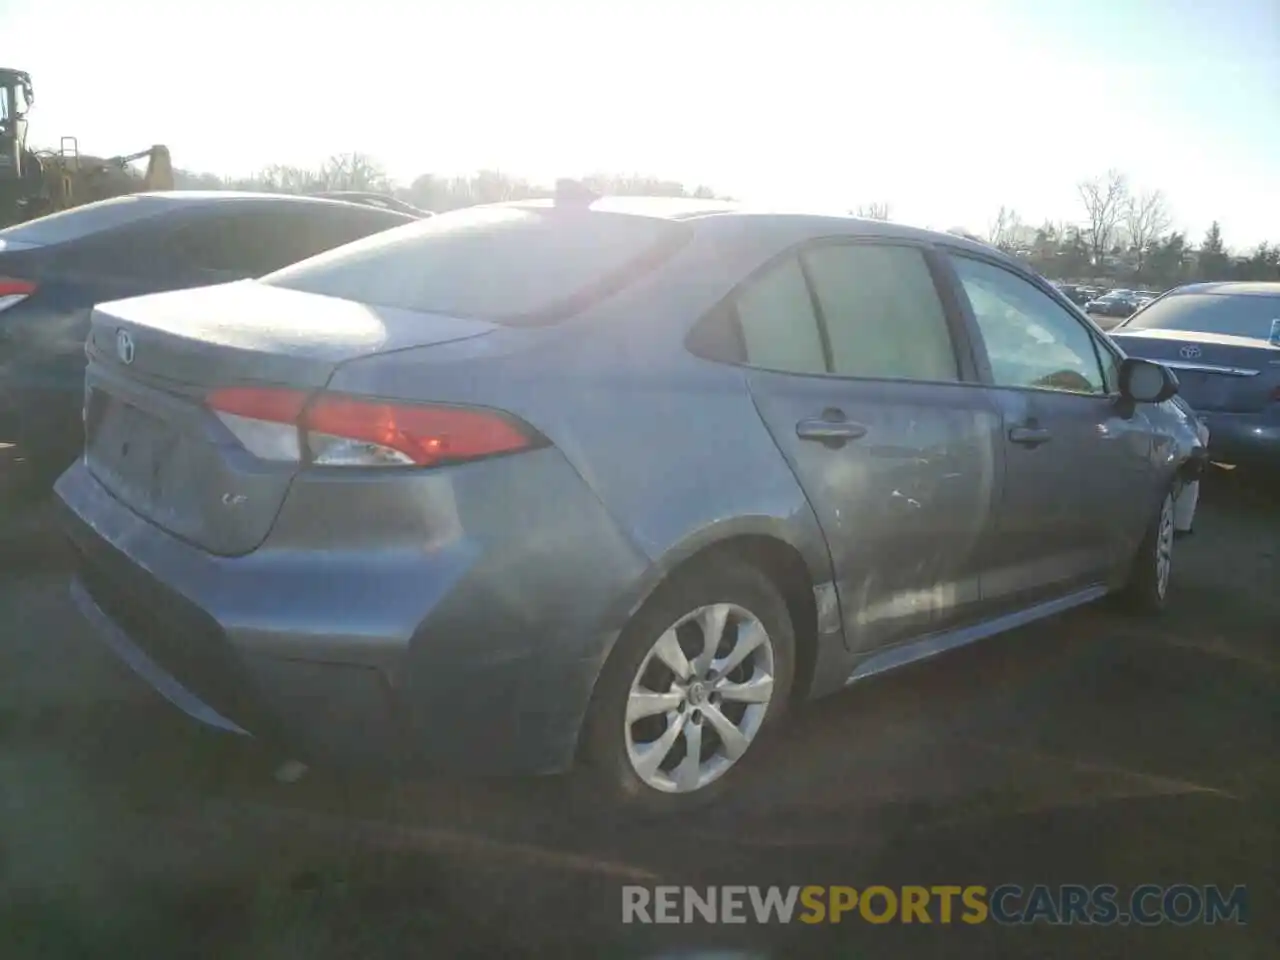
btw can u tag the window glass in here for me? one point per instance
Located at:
(1237, 316)
(1031, 340)
(333, 226)
(779, 327)
(882, 312)
(506, 264)
(247, 239)
(1110, 368)
(79, 222)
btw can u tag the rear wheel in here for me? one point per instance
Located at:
(699, 675)
(1147, 590)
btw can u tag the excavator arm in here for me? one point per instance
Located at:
(159, 175)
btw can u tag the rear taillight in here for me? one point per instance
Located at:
(335, 430)
(1275, 395)
(13, 292)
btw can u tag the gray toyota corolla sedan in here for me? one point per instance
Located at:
(602, 482)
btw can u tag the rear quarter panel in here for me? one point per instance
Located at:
(671, 444)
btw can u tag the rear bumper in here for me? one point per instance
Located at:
(477, 654)
(1246, 438)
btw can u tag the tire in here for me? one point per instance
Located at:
(1147, 589)
(624, 760)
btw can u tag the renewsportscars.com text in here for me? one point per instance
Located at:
(1066, 904)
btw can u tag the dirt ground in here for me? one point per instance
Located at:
(1092, 749)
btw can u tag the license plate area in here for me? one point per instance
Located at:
(1206, 391)
(131, 450)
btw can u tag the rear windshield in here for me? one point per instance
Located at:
(1240, 316)
(80, 222)
(512, 265)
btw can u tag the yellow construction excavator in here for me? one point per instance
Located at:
(36, 182)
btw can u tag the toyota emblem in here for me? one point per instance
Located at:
(124, 346)
(1189, 352)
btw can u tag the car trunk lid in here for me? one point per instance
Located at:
(151, 441)
(1217, 372)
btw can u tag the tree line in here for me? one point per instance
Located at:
(429, 191)
(1122, 238)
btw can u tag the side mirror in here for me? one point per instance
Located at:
(1144, 381)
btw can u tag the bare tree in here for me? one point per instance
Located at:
(872, 211)
(1105, 200)
(1145, 218)
(1004, 229)
(354, 171)
(281, 178)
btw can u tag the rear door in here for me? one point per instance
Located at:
(854, 368)
(1078, 470)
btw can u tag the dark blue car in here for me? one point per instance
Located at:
(54, 269)
(1223, 339)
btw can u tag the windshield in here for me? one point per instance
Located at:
(504, 264)
(1237, 316)
(82, 221)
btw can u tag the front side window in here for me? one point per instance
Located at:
(882, 312)
(1031, 340)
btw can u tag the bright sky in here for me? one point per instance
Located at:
(944, 108)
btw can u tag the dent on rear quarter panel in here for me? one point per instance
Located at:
(670, 444)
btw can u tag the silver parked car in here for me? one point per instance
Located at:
(607, 481)
(1223, 339)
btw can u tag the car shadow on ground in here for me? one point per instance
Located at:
(1092, 749)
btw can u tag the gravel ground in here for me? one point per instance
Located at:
(1092, 749)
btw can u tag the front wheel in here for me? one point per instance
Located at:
(1147, 590)
(698, 675)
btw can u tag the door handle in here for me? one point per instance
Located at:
(831, 429)
(1030, 436)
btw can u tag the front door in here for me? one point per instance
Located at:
(855, 373)
(1077, 459)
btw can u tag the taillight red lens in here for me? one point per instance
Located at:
(259, 403)
(422, 435)
(13, 292)
(345, 431)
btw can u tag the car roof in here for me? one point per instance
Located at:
(786, 226)
(78, 222)
(662, 208)
(1236, 288)
(201, 197)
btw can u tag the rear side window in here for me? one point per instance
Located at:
(516, 265)
(1238, 316)
(853, 310)
(882, 313)
(779, 328)
(80, 222)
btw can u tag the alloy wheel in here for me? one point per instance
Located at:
(699, 698)
(1164, 546)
